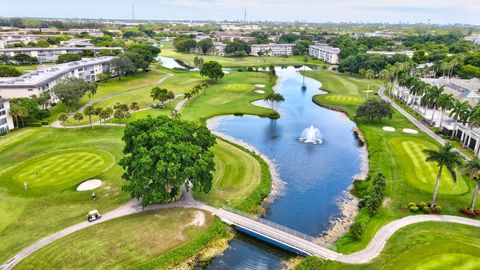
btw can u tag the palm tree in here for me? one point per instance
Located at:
(445, 103)
(369, 75)
(78, 116)
(22, 114)
(15, 112)
(89, 111)
(134, 107)
(384, 74)
(445, 157)
(473, 122)
(274, 99)
(430, 99)
(472, 170)
(458, 112)
(63, 117)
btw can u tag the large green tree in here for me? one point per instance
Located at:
(444, 157)
(213, 70)
(162, 155)
(68, 57)
(374, 109)
(71, 90)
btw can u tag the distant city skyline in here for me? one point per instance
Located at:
(391, 11)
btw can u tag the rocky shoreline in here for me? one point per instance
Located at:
(277, 185)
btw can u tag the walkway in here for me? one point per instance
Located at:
(279, 235)
(92, 102)
(412, 119)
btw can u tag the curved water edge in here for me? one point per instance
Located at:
(322, 201)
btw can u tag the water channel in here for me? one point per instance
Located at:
(315, 175)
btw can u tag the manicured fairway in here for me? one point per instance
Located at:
(420, 173)
(237, 174)
(422, 246)
(52, 202)
(232, 94)
(397, 155)
(121, 243)
(57, 171)
(249, 61)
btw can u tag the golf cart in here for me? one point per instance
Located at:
(93, 215)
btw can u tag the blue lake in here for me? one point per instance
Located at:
(316, 176)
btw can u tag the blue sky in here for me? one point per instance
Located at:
(439, 11)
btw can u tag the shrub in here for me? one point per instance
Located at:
(422, 205)
(377, 193)
(410, 204)
(357, 229)
(413, 209)
(426, 210)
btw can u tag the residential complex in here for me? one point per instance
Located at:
(45, 55)
(44, 79)
(392, 53)
(324, 52)
(272, 49)
(219, 48)
(6, 121)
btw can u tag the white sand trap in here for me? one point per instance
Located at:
(411, 131)
(260, 85)
(198, 219)
(259, 91)
(226, 72)
(389, 129)
(89, 185)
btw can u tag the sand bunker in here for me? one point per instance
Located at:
(411, 131)
(226, 72)
(259, 91)
(389, 129)
(89, 185)
(198, 219)
(260, 85)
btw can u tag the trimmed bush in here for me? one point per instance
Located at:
(426, 210)
(410, 204)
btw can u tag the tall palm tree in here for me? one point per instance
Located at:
(445, 103)
(459, 112)
(369, 74)
(15, 112)
(445, 157)
(472, 170)
(89, 111)
(430, 99)
(473, 122)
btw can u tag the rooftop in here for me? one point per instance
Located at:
(326, 47)
(463, 90)
(58, 49)
(44, 74)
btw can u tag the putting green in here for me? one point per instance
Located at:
(344, 99)
(57, 170)
(451, 261)
(419, 173)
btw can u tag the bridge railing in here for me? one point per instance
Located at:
(277, 226)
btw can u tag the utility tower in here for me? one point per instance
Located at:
(245, 15)
(133, 12)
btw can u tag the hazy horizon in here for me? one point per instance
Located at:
(313, 11)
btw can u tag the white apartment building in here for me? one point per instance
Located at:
(272, 49)
(219, 48)
(324, 52)
(45, 55)
(7, 41)
(44, 79)
(6, 121)
(77, 42)
(392, 53)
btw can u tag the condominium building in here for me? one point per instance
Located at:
(324, 52)
(272, 49)
(77, 42)
(6, 121)
(219, 48)
(45, 55)
(8, 40)
(44, 79)
(392, 53)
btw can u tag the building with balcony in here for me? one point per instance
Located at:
(46, 55)
(44, 79)
(324, 52)
(272, 49)
(6, 121)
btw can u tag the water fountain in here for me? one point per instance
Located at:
(311, 135)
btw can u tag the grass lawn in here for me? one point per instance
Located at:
(237, 174)
(250, 61)
(422, 246)
(398, 156)
(121, 243)
(231, 95)
(63, 159)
